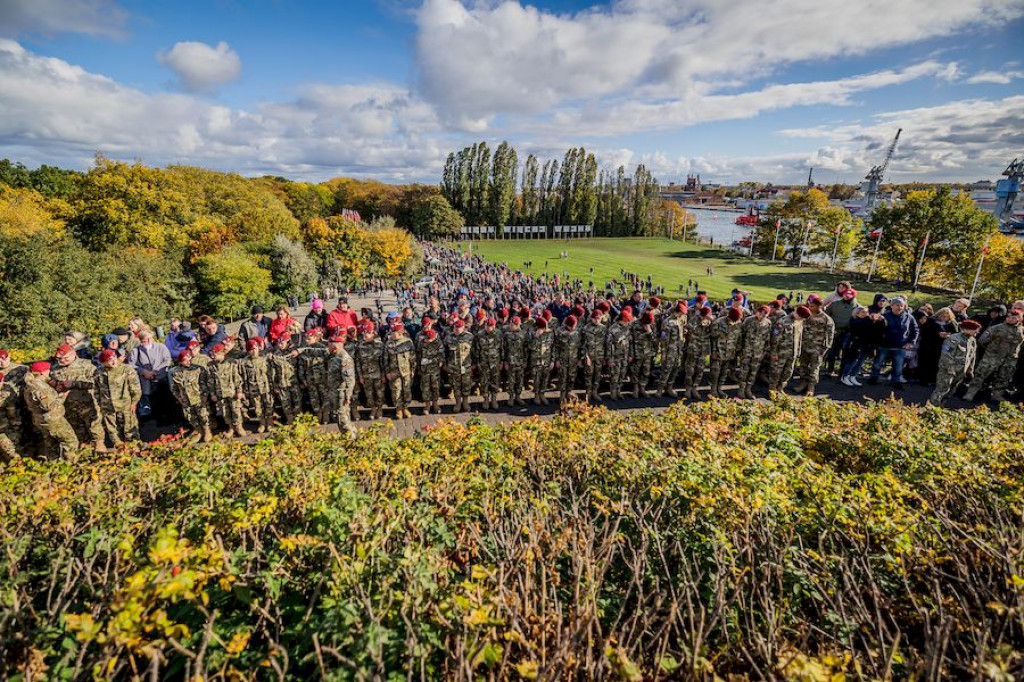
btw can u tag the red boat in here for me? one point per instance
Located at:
(750, 220)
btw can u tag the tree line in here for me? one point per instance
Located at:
(488, 188)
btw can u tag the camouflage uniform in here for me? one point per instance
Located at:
(567, 357)
(254, 373)
(542, 343)
(400, 364)
(460, 368)
(1002, 344)
(514, 348)
(645, 348)
(312, 372)
(351, 344)
(619, 352)
(341, 376)
(698, 333)
(187, 386)
(594, 348)
(118, 390)
(955, 362)
(80, 406)
(819, 332)
(430, 360)
(783, 350)
(673, 346)
(284, 382)
(223, 388)
(755, 335)
(10, 420)
(725, 344)
(47, 411)
(370, 373)
(487, 353)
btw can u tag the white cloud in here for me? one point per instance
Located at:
(49, 17)
(997, 77)
(201, 67)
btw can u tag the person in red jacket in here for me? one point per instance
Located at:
(283, 324)
(341, 318)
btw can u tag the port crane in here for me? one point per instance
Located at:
(810, 178)
(1006, 192)
(874, 179)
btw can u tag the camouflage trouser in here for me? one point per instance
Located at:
(618, 373)
(693, 370)
(197, 416)
(462, 384)
(229, 410)
(430, 385)
(945, 384)
(515, 381)
(718, 373)
(999, 369)
(8, 448)
(566, 379)
(810, 366)
(121, 425)
(319, 398)
(670, 366)
(373, 392)
(593, 373)
(342, 413)
(290, 400)
(747, 367)
(642, 368)
(261, 405)
(85, 420)
(490, 381)
(780, 371)
(541, 377)
(59, 438)
(401, 391)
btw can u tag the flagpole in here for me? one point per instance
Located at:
(775, 247)
(920, 263)
(977, 275)
(835, 249)
(874, 256)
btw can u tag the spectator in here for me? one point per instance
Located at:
(865, 333)
(255, 327)
(212, 334)
(283, 324)
(933, 333)
(901, 333)
(316, 317)
(837, 295)
(79, 343)
(150, 360)
(177, 340)
(341, 318)
(877, 307)
(959, 309)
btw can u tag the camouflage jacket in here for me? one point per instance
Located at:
(400, 357)
(187, 384)
(958, 353)
(819, 331)
(254, 374)
(594, 340)
(222, 380)
(541, 346)
(341, 374)
(487, 350)
(619, 343)
(514, 347)
(369, 359)
(1002, 341)
(430, 355)
(118, 388)
(460, 353)
(725, 338)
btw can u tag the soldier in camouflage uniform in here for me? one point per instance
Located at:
(645, 348)
(460, 364)
(619, 352)
(487, 353)
(594, 348)
(430, 360)
(254, 372)
(400, 364)
(784, 349)
(341, 376)
(47, 409)
(541, 359)
(283, 369)
(673, 347)
(312, 372)
(956, 361)
(224, 390)
(1002, 344)
(198, 358)
(698, 334)
(370, 369)
(10, 419)
(819, 332)
(514, 347)
(567, 356)
(187, 386)
(118, 391)
(77, 377)
(756, 330)
(14, 372)
(351, 343)
(725, 344)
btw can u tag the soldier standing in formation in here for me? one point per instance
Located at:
(514, 347)
(487, 353)
(594, 348)
(118, 391)
(756, 330)
(76, 377)
(818, 334)
(430, 361)
(619, 352)
(541, 361)
(460, 364)
(956, 361)
(47, 409)
(188, 383)
(673, 346)
(725, 344)
(567, 357)
(1002, 344)
(254, 374)
(400, 363)
(341, 372)
(369, 369)
(645, 348)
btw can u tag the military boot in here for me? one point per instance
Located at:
(262, 427)
(207, 434)
(810, 390)
(800, 386)
(749, 393)
(353, 414)
(288, 416)
(436, 407)
(240, 430)
(970, 395)
(998, 396)
(99, 446)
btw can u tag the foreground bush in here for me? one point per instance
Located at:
(806, 540)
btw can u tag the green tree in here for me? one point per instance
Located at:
(292, 270)
(434, 217)
(230, 283)
(502, 190)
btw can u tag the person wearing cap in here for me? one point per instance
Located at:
(541, 359)
(619, 352)
(487, 356)
(645, 349)
(12, 371)
(460, 364)
(10, 418)
(255, 327)
(1001, 344)
(840, 292)
(840, 308)
(784, 349)
(118, 391)
(223, 389)
(566, 355)
(341, 317)
(594, 335)
(312, 366)
(199, 359)
(818, 336)
(514, 347)
(341, 373)
(698, 347)
(284, 381)
(672, 343)
(125, 339)
(369, 361)
(754, 335)
(400, 368)
(351, 343)
(878, 304)
(76, 378)
(959, 351)
(429, 362)
(187, 381)
(254, 374)
(316, 317)
(901, 332)
(46, 406)
(725, 345)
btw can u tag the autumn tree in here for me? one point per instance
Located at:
(230, 283)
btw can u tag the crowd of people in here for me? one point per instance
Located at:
(475, 330)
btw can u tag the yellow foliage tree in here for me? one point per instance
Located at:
(1002, 274)
(26, 211)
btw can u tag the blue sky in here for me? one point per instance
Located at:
(740, 90)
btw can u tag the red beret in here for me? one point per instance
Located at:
(515, 320)
(682, 307)
(763, 309)
(313, 331)
(430, 334)
(604, 306)
(4, 353)
(503, 313)
(706, 311)
(252, 343)
(398, 327)
(541, 323)
(366, 327)
(546, 314)
(481, 313)
(64, 350)
(597, 314)
(735, 314)
(654, 301)
(578, 311)
(647, 318)
(803, 312)
(814, 298)
(106, 356)
(524, 313)
(219, 348)
(193, 344)
(570, 321)
(39, 367)
(184, 354)
(491, 322)
(460, 324)
(626, 315)
(970, 324)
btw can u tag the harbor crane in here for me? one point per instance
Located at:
(1006, 192)
(810, 178)
(874, 178)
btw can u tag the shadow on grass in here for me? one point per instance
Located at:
(710, 254)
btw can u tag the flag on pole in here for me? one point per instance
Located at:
(875, 233)
(924, 242)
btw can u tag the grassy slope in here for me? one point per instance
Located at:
(669, 263)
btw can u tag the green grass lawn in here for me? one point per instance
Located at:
(670, 263)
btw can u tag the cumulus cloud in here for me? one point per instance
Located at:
(996, 77)
(201, 67)
(47, 17)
